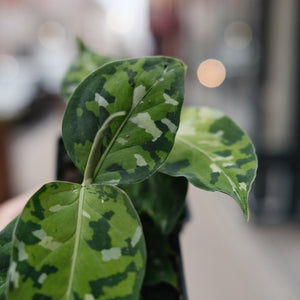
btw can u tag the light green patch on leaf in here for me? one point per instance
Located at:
(136, 144)
(138, 94)
(214, 154)
(80, 149)
(79, 112)
(93, 107)
(144, 121)
(90, 246)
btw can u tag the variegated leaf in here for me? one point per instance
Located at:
(85, 63)
(214, 154)
(5, 250)
(162, 197)
(150, 91)
(75, 242)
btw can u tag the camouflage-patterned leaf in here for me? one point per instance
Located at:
(162, 197)
(5, 250)
(214, 154)
(75, 242)
(150, 91)
(85, 63)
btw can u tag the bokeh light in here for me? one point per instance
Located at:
(119, 21)
(238, 35)
(211, 73)
(52, 35)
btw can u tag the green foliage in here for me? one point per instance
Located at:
(161, 197)
(150, 91)
(161, 257)
(160, 201)
(5, 250)
(214, 154)
(72, 234)
(86, 241)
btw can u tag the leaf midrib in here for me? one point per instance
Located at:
(76, 242)
(212, 160)
(241, 200)
(110, 145)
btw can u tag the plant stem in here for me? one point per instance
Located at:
(96, 148)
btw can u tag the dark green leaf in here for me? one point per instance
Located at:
(162, 197)
(161, 258)
(5, 252)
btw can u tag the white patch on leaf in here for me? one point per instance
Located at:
(215, 168)
(222, 158)
(112, 253)
(85, 214)
(57, 207)
(140, 161)
(42, 278)
(170, 100)
(219, 133)
(121, 141)
(41, 234)
(21, 250)
(14, 274)
(166, 70)
(243, 186)
(113, 182)
(143, 120)
(172, 127)
(46, 242)
(228, 165)
(138, 94)
(137, 236)
(100, 100)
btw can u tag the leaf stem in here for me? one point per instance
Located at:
(96, 148)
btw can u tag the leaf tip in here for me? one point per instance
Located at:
(80, 45)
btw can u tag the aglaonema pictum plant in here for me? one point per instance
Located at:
(120, 128)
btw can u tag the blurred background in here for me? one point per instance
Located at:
(242, 58)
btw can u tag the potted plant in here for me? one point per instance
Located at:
(98, 239)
